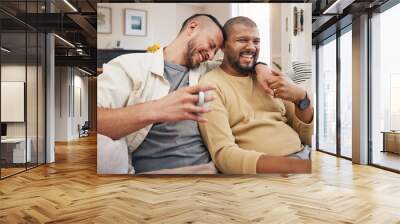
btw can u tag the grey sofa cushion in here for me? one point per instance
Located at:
(112, 156)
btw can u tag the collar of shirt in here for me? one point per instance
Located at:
(157, 66)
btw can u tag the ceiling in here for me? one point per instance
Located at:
(72, 20)
(331, 15)
(75, 21)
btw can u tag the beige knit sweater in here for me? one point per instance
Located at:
(246, 122)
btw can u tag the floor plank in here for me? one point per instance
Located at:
(387, 159)
(70, 191)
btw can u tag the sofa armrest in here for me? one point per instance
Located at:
(112, 156)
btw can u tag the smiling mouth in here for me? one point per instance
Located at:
(247, 56)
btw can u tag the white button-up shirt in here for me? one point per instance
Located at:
(136, 78)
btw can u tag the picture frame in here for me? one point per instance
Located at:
(135, 22)
(104, 20)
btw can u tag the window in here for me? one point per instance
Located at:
(346, 94)
(22, 67)
(327, 97)
(335, 74)
(385, 88)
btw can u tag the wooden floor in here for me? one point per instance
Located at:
(387, 159)
(70, 191)
(5, 172)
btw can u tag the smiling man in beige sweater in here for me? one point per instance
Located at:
(258, 123)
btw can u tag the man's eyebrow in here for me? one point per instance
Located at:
(247, 37)
(243, 36)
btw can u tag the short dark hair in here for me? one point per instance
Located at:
(236, 20)
(185, 23)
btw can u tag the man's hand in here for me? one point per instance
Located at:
(176, 106)
(276, 84)
(182, 105)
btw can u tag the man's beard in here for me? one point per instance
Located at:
(235, 62)
(191, 52)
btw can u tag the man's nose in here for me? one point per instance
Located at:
(210, 55)
(251, 46)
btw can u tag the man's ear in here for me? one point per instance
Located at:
(223, 47)
(192, 27)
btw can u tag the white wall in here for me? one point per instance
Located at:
(300, 45)
(165, 20)
(163, 24)
(276, 31)
(80, 84)
(33, 127)
(184, 11)
(302, 42)
(61, 103)
(221, 11)
(67, 116)
(14, 73)
(17, 73)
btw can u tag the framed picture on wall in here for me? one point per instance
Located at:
(135, 22)
(104, 20)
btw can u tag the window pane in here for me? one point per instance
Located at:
(15, 150)
(327, 97)
(385, 86)
(346, 94)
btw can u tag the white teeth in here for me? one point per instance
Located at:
(247, 56)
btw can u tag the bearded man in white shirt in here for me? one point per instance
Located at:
(149, 100)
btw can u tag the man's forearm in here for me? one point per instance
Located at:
(119, 122)
(281, 164)
(306, 115)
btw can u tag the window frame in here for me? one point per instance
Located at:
(334, 37)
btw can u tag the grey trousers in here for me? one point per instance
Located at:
(304, 154)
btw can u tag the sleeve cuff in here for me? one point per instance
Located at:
(304, 130)
(250, 162)
(301, 123)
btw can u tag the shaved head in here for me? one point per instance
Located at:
(241, 46)
(205, 20)
(234, 21)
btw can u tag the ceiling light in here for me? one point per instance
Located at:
(5, 50)
(65, 41)
(70, 5)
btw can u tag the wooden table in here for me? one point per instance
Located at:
(391, 141)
